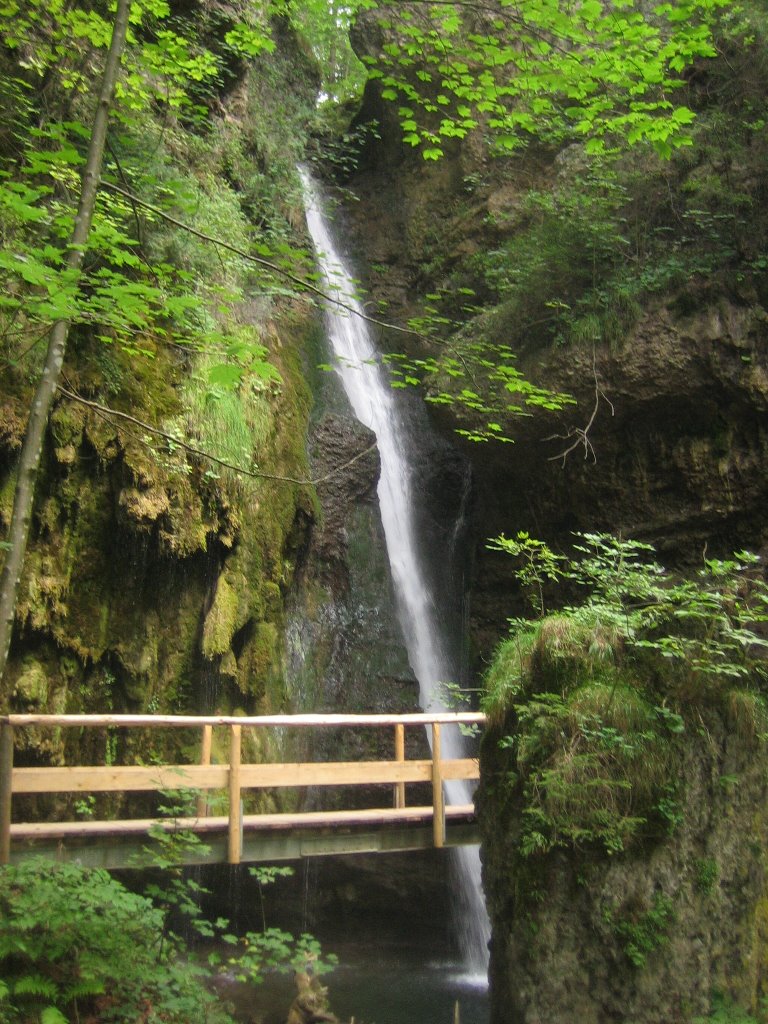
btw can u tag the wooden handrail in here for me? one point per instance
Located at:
(298, 721)
(235, 776)
(269, 775)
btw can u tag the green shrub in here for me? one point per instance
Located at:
(725, 1012)
(597, 692)
(75, 943)
(643, 932)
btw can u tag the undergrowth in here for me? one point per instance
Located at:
(599, 692)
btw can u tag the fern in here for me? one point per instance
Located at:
(36, 985)
(83, 989)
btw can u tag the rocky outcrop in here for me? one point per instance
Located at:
(644, 936)
(346, 465)
(665, 445)
(345, 646)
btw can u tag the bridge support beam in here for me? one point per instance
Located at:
(6, 773)
(438, 804)
(399, 756)
(205, 760)
(235, 844)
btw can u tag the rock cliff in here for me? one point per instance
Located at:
(638, 291)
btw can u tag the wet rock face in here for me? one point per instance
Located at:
(671, 456)
(643, 937)
(344, 641)
(668, 435)
(345, 461)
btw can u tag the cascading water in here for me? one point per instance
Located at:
(376, 405)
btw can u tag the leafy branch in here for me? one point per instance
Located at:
(301, 282)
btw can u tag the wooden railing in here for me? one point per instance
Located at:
(234, 777)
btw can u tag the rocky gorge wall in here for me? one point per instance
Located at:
(667, 434)
(156, 579)
(664, 351)
(645, 936)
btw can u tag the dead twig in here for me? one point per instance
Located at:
(580, 435)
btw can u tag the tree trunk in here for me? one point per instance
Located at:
(38, 417)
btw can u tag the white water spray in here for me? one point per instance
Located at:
(375, 404)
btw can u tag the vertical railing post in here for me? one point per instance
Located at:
(205, 759)
(400, 756)
(234, 794)
(6, 790)
(438, 807)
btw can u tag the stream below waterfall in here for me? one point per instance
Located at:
(387, 917)
(375, 984)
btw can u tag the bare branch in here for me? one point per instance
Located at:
(305, 285)
(581, 434)
(106, 412)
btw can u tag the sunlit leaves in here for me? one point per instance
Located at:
(605, 72)
(249, 41)
(482, 385)
(122, 293)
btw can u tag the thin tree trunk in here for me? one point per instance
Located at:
(57, 343)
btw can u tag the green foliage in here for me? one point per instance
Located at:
(600, 691)
(177, 895)
(589, 765)
(643, 932)
(325, 25)
(141, 277)
(74, 943)
(606, 75)
(725, 1012)
(537, 565)
(573, 234)
(707, 875)
(577, 258)
(479, 379)
(704, 626)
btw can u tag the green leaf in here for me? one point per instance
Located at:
(51, 1015)
(225, 374)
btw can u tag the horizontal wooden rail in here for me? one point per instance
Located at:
(220, 823)
(252, 776)
(234, 777)
(267, 721)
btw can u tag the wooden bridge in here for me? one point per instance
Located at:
(236, 837)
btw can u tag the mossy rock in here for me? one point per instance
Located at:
(233, 606)
(31, 689)
(258, 662)
(67, 425)
(566, 652)
(273, 599)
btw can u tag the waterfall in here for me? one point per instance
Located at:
(376, 405)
